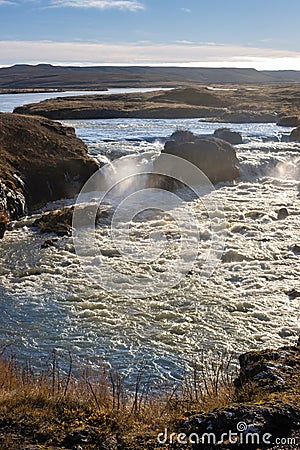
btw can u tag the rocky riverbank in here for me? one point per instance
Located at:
(270, 380)
(268, 103)
(41, 161)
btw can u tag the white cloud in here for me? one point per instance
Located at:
(192, 55)
(186, 10)
(129, 5)
(185, 42)
(6, 2)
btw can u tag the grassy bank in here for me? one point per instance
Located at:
(53, 409)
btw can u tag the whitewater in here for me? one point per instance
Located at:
(47, 301)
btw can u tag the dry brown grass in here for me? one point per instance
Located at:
(54, 409)
(45, 408)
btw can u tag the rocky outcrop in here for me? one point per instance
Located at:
(247, 424)
(270, 370)
(295, 135)
(247, 117)
(267, 375)
(288, 121)
(233, 137)
(57, 221)
(60, 221)
(215, 157)
(40, 161)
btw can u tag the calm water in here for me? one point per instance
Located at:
(10, 101)
(48, 301)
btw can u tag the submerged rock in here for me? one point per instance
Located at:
(233, 256)
(233, 137)
(49, 243)
(215, 157)
(40, 161)
(296, 248)
(270, 139)
(293, 293)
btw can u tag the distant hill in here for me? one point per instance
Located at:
(46, 76)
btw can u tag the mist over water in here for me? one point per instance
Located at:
(48, 301)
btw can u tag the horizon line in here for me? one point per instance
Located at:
(150, 65)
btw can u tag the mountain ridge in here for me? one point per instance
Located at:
(47, 76)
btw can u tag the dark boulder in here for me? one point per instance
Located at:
(282, 214)
(293, 293)
(182, 136)
(295, 135)
(233, 137)
(246, 426)
(296, 248)
(40, 161)
(215, 157)
(288, 121)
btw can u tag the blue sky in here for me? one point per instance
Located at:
(256, 33)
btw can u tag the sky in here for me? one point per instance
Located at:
(263, 34)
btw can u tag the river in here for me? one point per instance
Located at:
(47, 301)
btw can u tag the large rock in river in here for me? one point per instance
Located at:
(233, 137)
(295, 135)
(215, 157)
(40, 161)
(288, 121)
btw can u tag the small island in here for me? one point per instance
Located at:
(235, 104)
